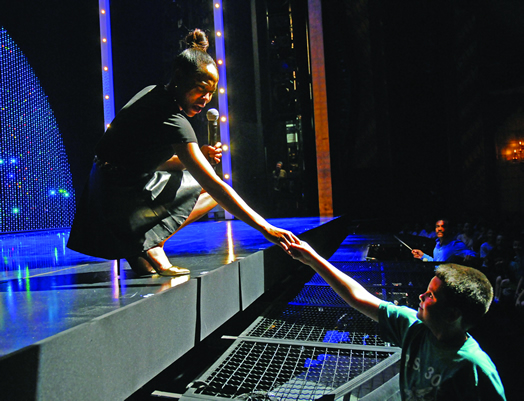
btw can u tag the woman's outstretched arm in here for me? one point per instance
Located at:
(197, 164)
(212, 153)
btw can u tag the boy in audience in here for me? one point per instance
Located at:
(440, 360)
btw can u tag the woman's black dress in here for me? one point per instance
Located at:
(127, 206)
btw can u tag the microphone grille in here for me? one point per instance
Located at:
(212, 115)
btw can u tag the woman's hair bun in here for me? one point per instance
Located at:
(197, 39)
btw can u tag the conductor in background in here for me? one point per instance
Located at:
(446, 249)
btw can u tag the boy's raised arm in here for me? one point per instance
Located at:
(349, 289)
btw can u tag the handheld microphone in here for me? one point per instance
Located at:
(212, 127)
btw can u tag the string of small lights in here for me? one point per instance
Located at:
(36, 186)
(220, 50)
(107, 61)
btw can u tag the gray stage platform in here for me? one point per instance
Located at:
(81, 332)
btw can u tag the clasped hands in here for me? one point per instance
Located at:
(212, 153)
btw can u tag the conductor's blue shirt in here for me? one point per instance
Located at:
(444, 253)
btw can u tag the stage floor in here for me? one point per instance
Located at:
(46, 288)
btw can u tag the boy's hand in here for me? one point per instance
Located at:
(281, 237)
(302, 252)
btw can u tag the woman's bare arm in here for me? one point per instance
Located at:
(172, 164)
(197, 164)
(212, 153)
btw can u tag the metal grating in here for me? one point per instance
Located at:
(386, 265)
(366, 277)
(326, 296)
(318, 324)
(273, 371)
(384, 273)
(316, 345)
(399, 282)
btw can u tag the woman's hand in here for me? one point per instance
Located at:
(280, 237)
(212, 153)
(302, 252)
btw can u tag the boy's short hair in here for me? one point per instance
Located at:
(467, 289)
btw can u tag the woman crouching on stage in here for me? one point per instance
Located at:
(150, 178)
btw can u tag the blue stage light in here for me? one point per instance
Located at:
(107, 61)
(220, 49)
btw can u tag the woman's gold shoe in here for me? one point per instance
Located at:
(172, 271)
(151, 261)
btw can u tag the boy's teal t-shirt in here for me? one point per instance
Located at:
(433, 371)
